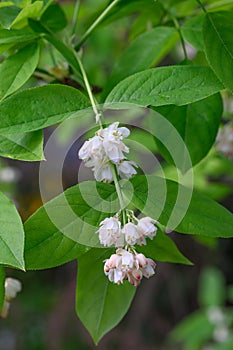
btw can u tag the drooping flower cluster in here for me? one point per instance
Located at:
(112, 234)
(12, 287)
(107, 147)
(125, 265)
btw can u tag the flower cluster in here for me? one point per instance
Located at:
(104, 148)
(127, 266)
(112, 234)
(12, 287)
(126, 263)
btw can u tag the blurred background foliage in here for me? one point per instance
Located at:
(183, 307)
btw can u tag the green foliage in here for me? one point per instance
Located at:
(43, 43)
(197, 123)
(217, 33)
(17, 69)
(202, 216)
(39, 107)
(179, 85)
(146, 50)
(11, 235)
(107, 303)
(28, 146)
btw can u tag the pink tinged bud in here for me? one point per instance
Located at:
(113, 260)
(141, 259)
(149, 269)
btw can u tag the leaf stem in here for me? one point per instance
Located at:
(202, 6)
(75, 17)
(119, 192)
(89, 91)
(95, 24)
(177, 26)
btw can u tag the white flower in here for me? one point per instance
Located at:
(12, 287)
(131, 234)
(91, 149)
(102, 171)
(146, 227)
(112, 142)
(110, 233)
(126, 169)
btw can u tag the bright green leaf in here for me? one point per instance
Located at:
(59, 231)
(7, 15)
(202, 216)
(2, 286)
(162, 248)
(192, 31)
(100, 304)
(146, 50)
(15, 36)
(28, 146)
(11, 235)
(179, 85)
(212, 288)
(18, 68)
(218, 40)
(30, 11)
(39, 107)
(197, 124)
(54, 18)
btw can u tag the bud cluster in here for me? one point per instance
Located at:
(104, 148)
(125, 265)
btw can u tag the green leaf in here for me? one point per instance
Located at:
(2, 286)
(202, 216)
(162, 248)
(54, 18)
(197, 124)
(146, 50)
(11, 235)
(29, 11)
(67, 224)
(39, 107)
(18, 68)
(100, 304)
(28, 146)
(15, 36)
(7, 15)
(192, 31)
(179, 85)
(218, 40)
(212, 288)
